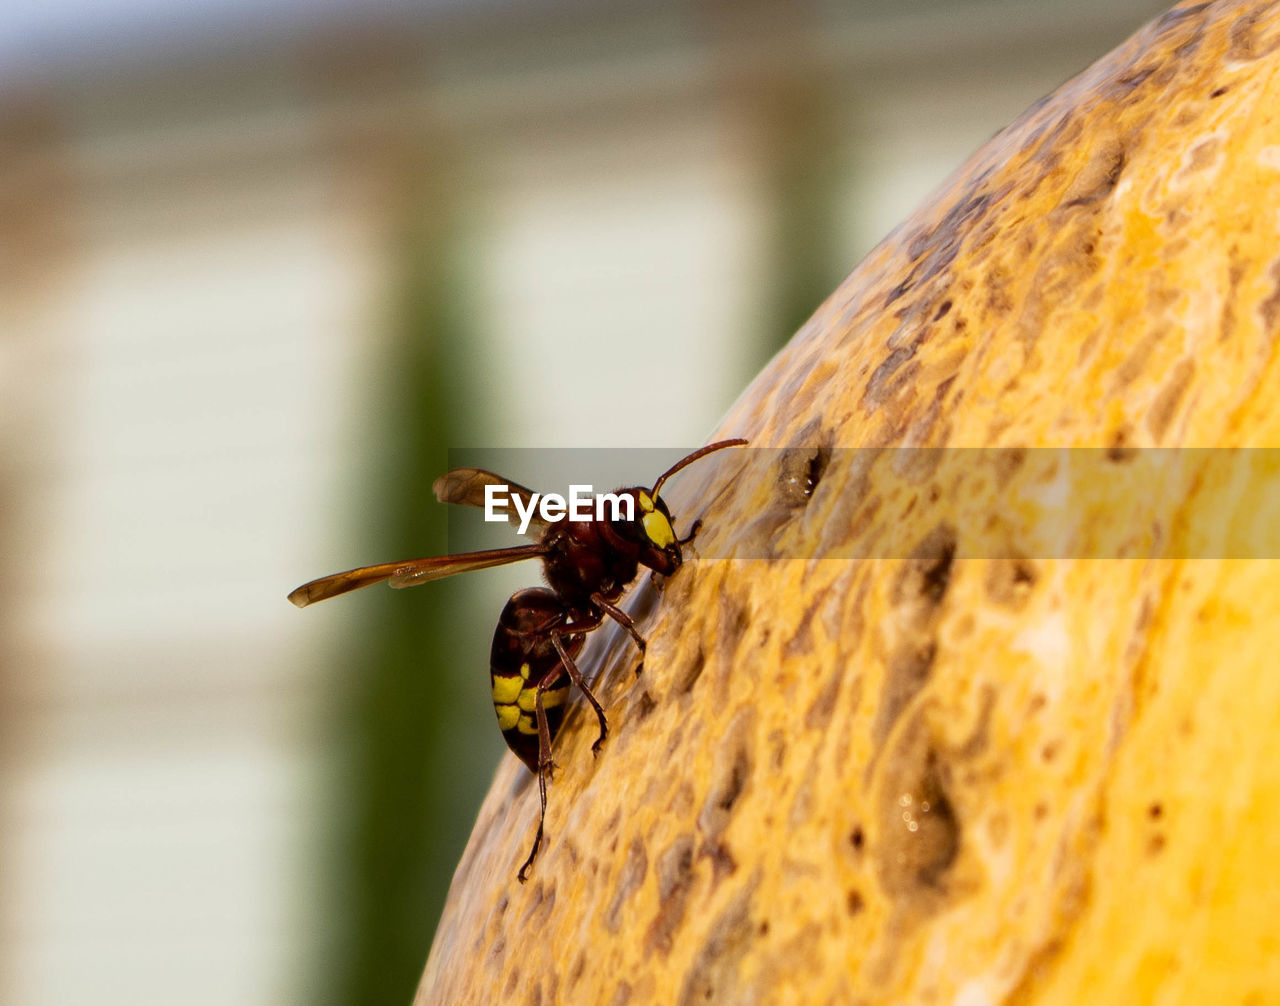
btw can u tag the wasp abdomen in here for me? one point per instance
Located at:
(522, 659)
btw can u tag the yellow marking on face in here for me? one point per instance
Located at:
(508, 716)
(506, 689)
(527, 725)
(524, 671)
(646, 503)
(658, 529)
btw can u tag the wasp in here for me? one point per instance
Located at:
(587, 565)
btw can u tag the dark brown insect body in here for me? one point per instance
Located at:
(524, 662)
(587, 564)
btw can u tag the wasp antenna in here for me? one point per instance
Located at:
(719, 445)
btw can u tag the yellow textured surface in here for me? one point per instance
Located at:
(953, 780)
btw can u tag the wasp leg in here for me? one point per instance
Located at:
(693, 533)
(544, 759)
(576, 677)
(545, 764)
(625, 620)
(622, 618)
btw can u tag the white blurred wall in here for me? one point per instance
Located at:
(193, 382)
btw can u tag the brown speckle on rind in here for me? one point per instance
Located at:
(622, 995)
(1135, 364)
(633, 874)
(1201, 155)
(1235, 273)
(1008, 462)
(927, 573)
(907, 672)
(823, 706)
(733, 621)
(1099, 176)
(731, 626)
(534, 903)
(1163, 408)
(690, 672)
(916, 597)
(1129, 81)
(714, 976)
(1269, 309)
(882, 384)
(920, 833)
(645, 706)
(575, 972)
(1009, 582)
(778, 748)
(675, 875)
(731, 774)
(801, 640)
(1253, 36)
(1117, 451)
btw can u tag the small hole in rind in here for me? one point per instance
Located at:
(801, 470)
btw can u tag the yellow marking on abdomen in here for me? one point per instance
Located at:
(526, 724)
(551, 698)
(508, 716)
(555, 697)
(506, 689)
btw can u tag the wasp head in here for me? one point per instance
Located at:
(651, 531)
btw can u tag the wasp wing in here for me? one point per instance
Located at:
(466, 487)
(410, 572)
(425, 570)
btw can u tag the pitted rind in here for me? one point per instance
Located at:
(1089, 751)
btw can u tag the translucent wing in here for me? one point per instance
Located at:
(425, 570)
(410, 572)
(466, 487)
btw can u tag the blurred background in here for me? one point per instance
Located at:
(262, 264)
